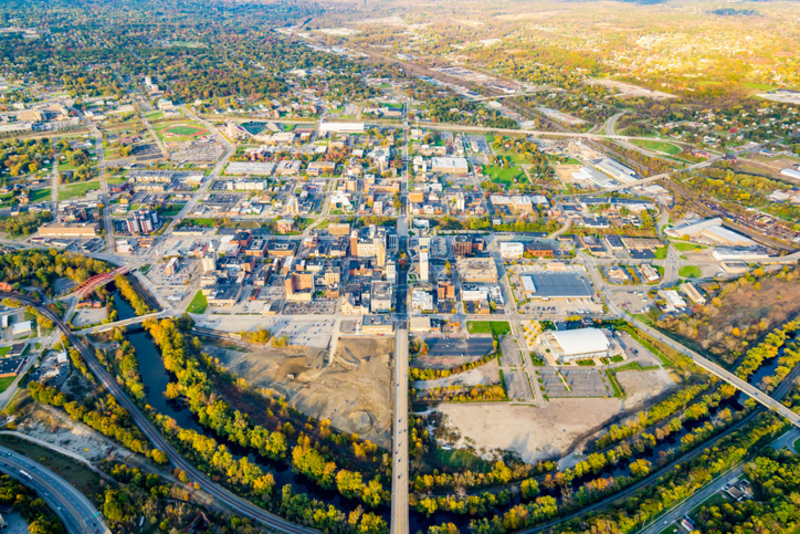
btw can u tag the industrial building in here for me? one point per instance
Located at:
(712, 232)
(616, 170)
(556, 285)
(580, 344)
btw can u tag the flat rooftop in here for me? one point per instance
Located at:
(557, 285)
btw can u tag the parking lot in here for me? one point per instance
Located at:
(581, 382)
(310, 308)
(300, 332)
(473, 348)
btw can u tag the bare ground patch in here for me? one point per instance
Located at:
(354, 391)
(486, 374)
(557, 428)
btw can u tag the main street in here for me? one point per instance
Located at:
(76, 512)
(400, 460)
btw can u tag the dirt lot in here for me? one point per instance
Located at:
(486, 374)
(354, 391)
(556, 429)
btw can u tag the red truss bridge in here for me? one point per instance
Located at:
(98, 280)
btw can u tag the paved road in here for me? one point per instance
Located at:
(687, 506)
(235, 503)
(127, 322)
(78, 514)
(400, 467)
(198, 195)
(399, 522)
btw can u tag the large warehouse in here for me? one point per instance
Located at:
(580, 344)
(556, 285)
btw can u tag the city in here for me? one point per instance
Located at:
(374, 267)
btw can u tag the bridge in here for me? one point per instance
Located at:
(98, 280)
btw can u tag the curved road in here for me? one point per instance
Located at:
(78, 514)
(235, 503)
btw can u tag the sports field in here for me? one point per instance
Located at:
(180, 133)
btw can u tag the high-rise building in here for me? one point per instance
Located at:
(391, 272)
(424, 266)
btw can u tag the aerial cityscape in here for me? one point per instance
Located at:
(392, 267)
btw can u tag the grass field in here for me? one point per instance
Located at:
(198, 304)
(77, 190)
(184, 130)
(499, 328)
(797, 445)
(4, 351)
(459, 459)
(179, 133)
(690, 271)
(5, 382)
(659, 146)
(687, 247)
(503, 176)
(39, 195)
(661, 253)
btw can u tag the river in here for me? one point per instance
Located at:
(155, 378)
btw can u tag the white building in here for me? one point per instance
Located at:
(511, 250)
(672, 298)
(580, 344)
(449, 165)
(616, 170)
(424, 265)
(791, 173)
(341, 127)
(421, 300)
(23, 328)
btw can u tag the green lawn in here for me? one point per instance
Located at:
(459, 459)
(178, 133)
(39, 195)
(77, 190)
(488, 327)
(672, 529)
(199, 303)
(503, 176)
(116, 180)
(659, 146)
(797, 445)
(661, 253)
(4, 351)
(690, 271)
(6, 382)
(682, 246)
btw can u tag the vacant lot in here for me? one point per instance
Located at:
(499, 328)
(556, 429)
(690, 271)
(353, 391)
